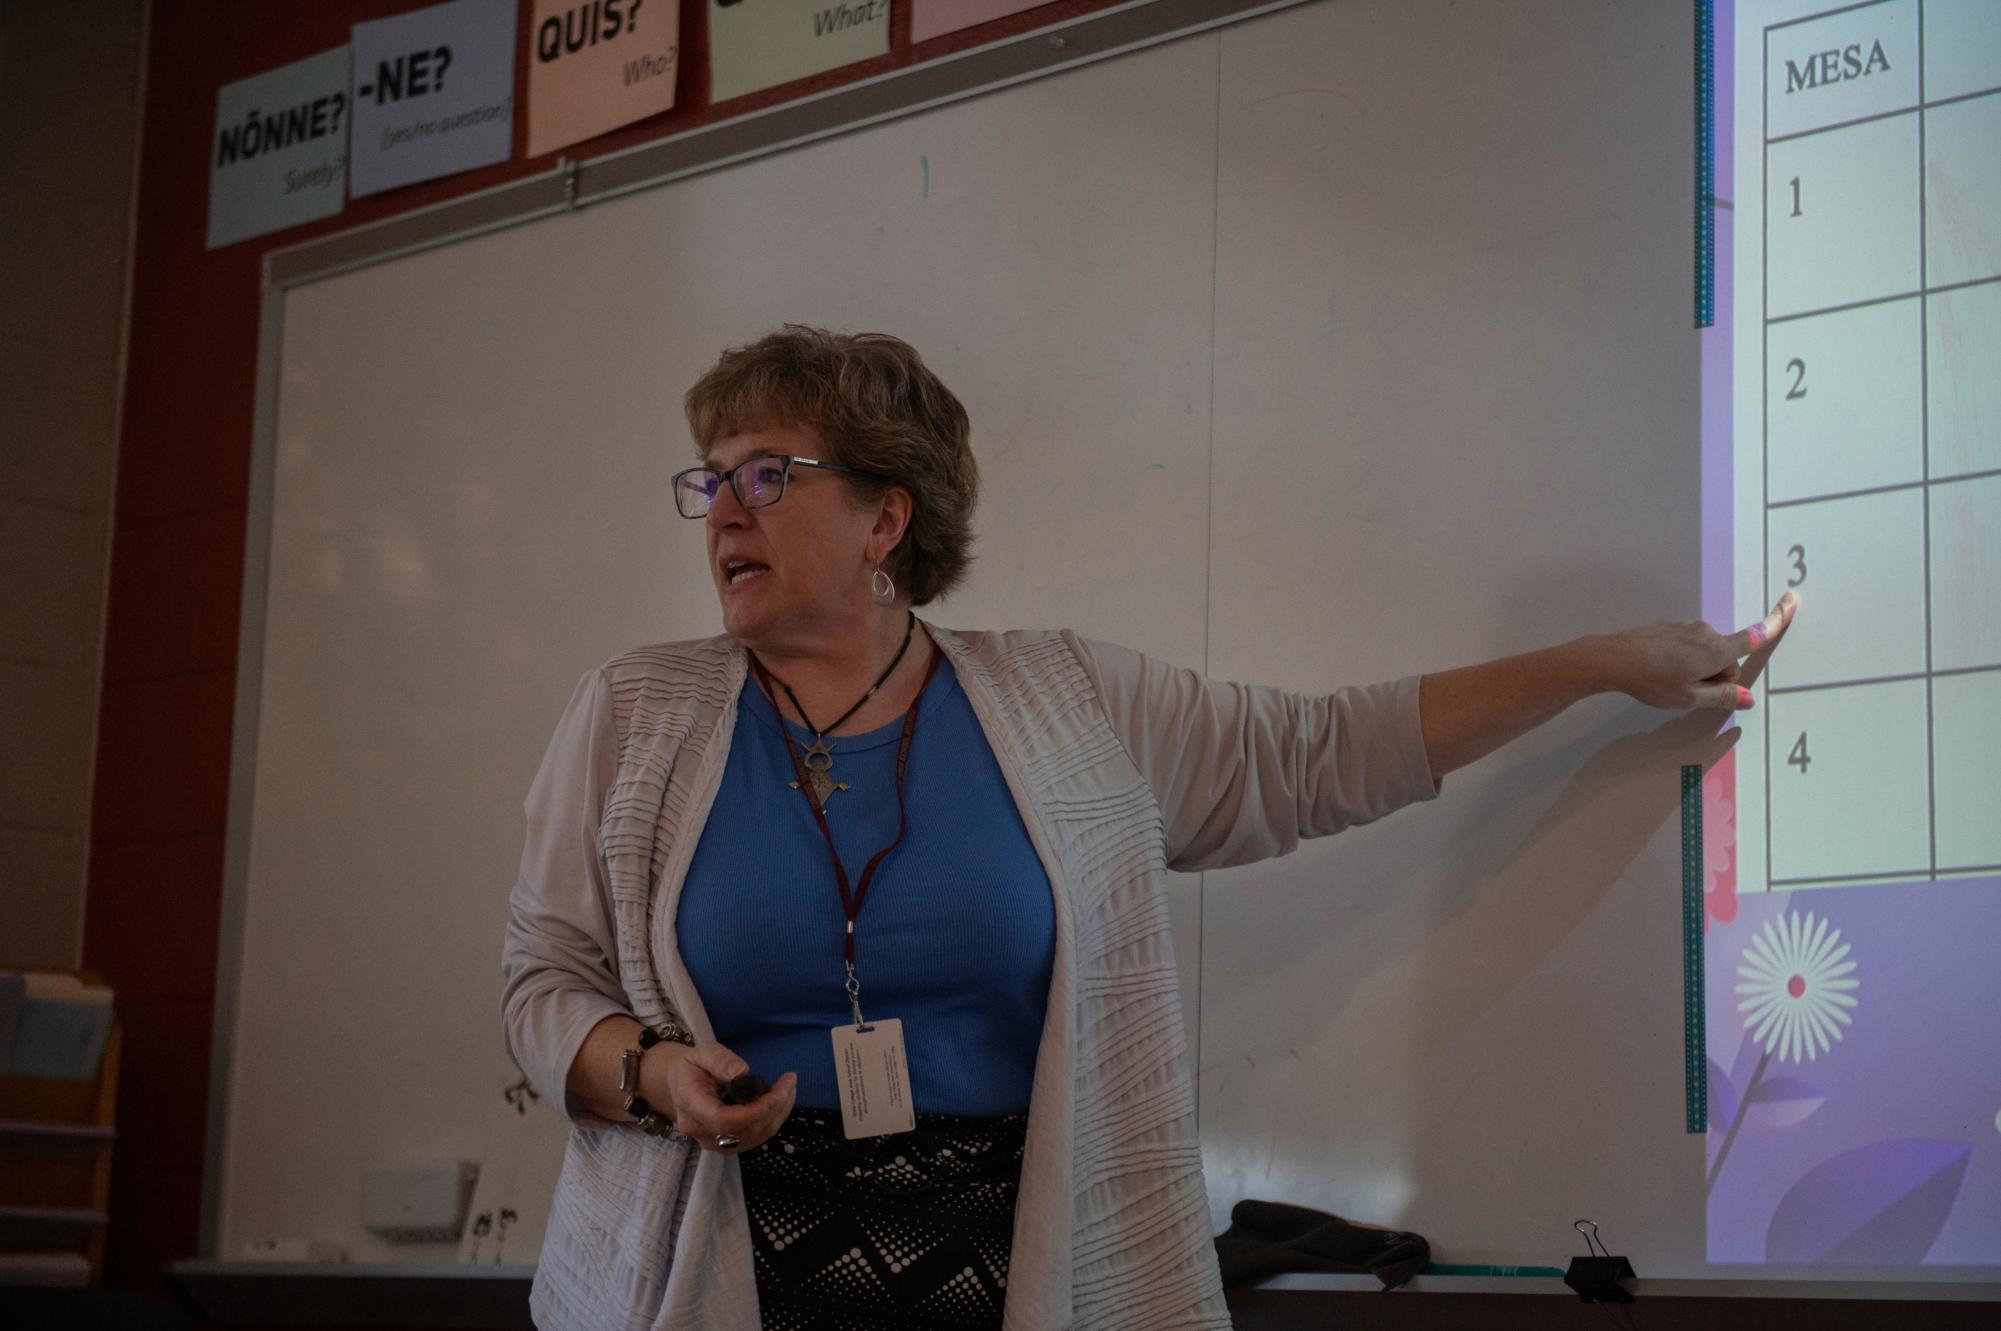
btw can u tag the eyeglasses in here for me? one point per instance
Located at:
(759, 482)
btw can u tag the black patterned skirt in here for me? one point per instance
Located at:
(886, 1233)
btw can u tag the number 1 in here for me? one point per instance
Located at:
(1796, 196)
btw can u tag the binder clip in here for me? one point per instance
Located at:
(1596, 1275)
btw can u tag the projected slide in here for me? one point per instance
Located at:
(1854, 863)
(1871, 478)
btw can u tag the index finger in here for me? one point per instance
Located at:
(1767, 630)
(742, 1120)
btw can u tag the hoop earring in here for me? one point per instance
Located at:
(881, 587)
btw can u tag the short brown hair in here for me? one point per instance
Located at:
(873, 402)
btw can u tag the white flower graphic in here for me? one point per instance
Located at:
(1796, 987)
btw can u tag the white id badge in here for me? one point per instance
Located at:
(874, 1079)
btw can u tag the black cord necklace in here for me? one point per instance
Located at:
(819, 773)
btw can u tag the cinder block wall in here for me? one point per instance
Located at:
(69, 132)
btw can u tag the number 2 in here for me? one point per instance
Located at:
(1798, 555)
(1798, 367)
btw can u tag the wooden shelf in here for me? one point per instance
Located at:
(22, 1134)
(56, 1140)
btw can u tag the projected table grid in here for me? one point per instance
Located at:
(1882, 441)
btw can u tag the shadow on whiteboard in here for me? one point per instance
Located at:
(1577, 852)
(1454, 989)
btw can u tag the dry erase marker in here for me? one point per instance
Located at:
(1438, 1269)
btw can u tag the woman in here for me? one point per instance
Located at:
(865, 857)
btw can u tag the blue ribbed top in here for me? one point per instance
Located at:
(956, 936)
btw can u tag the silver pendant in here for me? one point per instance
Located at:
(818, 773)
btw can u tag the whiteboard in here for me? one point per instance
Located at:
(1330, 346)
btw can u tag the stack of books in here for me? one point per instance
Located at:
(52, 1025)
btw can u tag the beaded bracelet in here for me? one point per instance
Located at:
(650, 1121)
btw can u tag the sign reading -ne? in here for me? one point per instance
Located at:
(433, 93)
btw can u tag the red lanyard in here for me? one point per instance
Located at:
(852, 897)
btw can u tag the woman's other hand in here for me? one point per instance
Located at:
(692, 1078)
(1687, 666)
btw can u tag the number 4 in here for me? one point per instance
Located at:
(1798, 758)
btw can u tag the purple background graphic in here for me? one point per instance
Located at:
(1885, 1149)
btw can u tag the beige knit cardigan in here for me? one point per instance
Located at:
(1121, 767)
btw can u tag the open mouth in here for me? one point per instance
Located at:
(736, 572)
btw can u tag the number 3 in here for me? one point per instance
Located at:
(1798, 555)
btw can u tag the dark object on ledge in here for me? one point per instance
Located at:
(1596, 1279)
(1265, 1238)
(1596, 1275)
(742, 1090)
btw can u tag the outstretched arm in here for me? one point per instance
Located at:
(1470, 712)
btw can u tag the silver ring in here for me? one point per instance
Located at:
(724, 1141)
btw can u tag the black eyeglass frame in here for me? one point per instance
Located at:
(790, 460)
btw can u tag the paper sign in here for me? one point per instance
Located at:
(597, 65)
(931, 17)
(433, 93)
(873, 1077)
(279, 156)
(757, 44)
